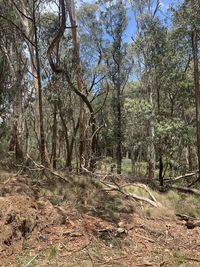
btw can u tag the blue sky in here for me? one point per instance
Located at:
(165, 14)
(131, 29)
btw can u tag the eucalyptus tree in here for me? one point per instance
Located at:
(80, 80)
(27, 24)
(119, 65)
(11, 47)
(149, 49)
(186, 18)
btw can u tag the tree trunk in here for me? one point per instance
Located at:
(30, 28)
(79, 76)
(39, 105)
(197, 90)
(54, 138)
(119, 133)
(161, 171)
(151, 147)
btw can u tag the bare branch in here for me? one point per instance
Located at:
(19, 29)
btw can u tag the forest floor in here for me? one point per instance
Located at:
(36, 229)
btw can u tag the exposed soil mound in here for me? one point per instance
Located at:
(18, 219)
(37, 224)
(18, 185)
(31, 227)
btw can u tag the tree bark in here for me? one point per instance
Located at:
(54, 138)
(197, 90)
(39, 105)
(151, 147)
(30, 29)
(79, 76)
(119, 133)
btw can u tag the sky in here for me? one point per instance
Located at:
(165, 14)
(131, 29)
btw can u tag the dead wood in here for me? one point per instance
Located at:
(120, 188)
(42, 168)
(184, 217)
(144, 237)
(187, 175)
(143, 186)
(186, 189)
(111, 187)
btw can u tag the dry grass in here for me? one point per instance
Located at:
(87, 195)
(172, 203)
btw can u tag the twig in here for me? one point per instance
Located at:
(192, 259)
(40, 167)
(144, 237)
(31, 260)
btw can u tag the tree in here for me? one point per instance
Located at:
(27, 22)
(119, 66)
(189, 11)
(149, 43)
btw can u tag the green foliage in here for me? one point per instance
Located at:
(139, 109)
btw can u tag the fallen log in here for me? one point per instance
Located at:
(120, 188)
(185, 189)
(187, 175)
(115, 187)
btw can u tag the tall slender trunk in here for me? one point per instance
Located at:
(93, 144)
(17, 78)
(197, 91)
(159, 148)
(19, 126)
(31, 30)
(190, 163)
(39, 104)
(161, 168)
(151, 147)
(69, 145)
(119, 133)
(54, 138)
(79, 76)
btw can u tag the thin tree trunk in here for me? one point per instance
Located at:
(39, 107)
(79, 76)
(161, 171)
(190, 164)
(151, 147)
(197, 90)
(30, 28)
(17, 77)
(119, 133)
(54, 138)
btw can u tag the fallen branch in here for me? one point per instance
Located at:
(144, 237)
(192, 259)
(116, 187)
(143, 186)
(174, 179)
(131, 195)
(40, 167)
(184, 217)
(185, 189)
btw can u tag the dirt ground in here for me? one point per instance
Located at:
(34, 232)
